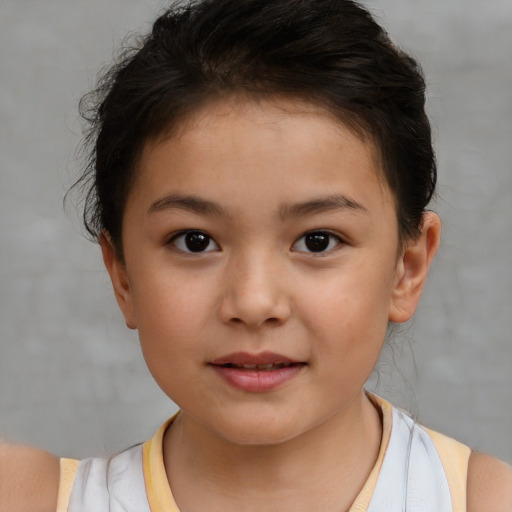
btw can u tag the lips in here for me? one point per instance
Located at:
(261, 367)
(256, 372)
(247, 359)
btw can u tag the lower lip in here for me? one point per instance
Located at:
(257, 381)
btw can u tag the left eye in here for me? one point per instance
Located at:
(316, 241)
(194, 242)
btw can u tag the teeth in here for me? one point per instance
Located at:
(262, 367)
(259, 367)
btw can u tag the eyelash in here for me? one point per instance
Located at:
(205, 241)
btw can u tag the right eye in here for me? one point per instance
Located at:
(194, 241)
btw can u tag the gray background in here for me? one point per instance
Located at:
(71, 376)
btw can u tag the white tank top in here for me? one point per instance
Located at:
(417, 470)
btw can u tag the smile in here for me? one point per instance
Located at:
(256, 373)
(261, 367)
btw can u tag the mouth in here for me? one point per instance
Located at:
(257, 372)
(269, 367)
(263, 361)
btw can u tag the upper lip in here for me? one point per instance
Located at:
(245, 358)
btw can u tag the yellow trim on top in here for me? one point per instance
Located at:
(362, 502)
(157, 486)
(68, 469)
(160, 496)
(455, 459)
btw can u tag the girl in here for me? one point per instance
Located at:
(258, 185)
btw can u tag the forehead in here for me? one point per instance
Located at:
(280, 149)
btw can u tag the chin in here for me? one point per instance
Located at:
(259, 431)
(251, 438)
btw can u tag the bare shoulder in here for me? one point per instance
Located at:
(489, 484)
(29, 479)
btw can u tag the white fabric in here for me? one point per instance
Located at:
(411, 479)
(110, 485)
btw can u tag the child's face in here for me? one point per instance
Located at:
(261, 234)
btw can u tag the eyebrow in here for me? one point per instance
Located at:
(202, 206)
(188, 203)
(321, 205)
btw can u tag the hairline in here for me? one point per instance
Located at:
(181, 121)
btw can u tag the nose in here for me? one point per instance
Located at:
(255, 293)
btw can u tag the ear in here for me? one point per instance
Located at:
(119, 277)
(412, 269)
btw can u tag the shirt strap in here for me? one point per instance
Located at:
(362, 502)
(68, 469)
(159, 493)
(455, 459)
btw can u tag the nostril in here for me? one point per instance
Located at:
(272, 321)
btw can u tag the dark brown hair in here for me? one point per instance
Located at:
(330, 53)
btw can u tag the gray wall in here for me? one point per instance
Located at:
(71, 376)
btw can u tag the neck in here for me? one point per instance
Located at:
(322, 469)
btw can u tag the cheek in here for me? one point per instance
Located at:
(350, 310)
(171, 314)
(170, 326)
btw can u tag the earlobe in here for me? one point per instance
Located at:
(119, 277)
(412, 269)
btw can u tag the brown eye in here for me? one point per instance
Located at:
(316, 242)
(194, 242)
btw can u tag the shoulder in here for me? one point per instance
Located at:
(489, 484)
(29, 479)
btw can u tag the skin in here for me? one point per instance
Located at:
(29, 479)
(251, 169)
(269, 173)
(256, 290)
